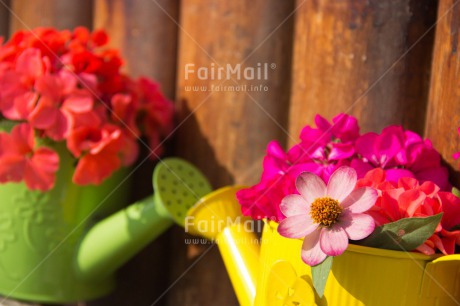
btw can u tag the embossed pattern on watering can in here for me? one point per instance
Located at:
(37, 222)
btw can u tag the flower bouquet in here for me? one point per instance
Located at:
(65, 89)
(375, 209)
(70, 125)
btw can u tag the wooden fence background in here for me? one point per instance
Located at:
(384, 61)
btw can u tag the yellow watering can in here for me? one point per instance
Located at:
(360, 276)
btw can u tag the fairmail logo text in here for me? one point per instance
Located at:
(228, 72)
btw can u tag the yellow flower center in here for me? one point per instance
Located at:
(325, 211)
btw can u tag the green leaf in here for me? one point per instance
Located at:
(320, 273)
(402, 235)
(456, 192)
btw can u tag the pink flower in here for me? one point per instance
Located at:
(457, 155)
(322, 151)
(402, 153)
(327, 216)
(20, 160)
(328, 146)
(278, 180)
(257, 200)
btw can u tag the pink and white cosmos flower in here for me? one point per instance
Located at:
(327, 216)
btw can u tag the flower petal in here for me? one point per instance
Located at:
(30, 63)
(24, 104)
(44, 115)
(445, 244)
(389, 143)
(59, 129)
(425, 249)
(390, 204)
(12, 168)
(341, 151)
(297, 226)
(341, 183)
(311, 250)
(39, 173)
(365, 146)
(80, 102)
(310, 186)
(333, 240)
(95, 168)
(345, 127)
(322, 124)
(451, 208)
(410, 202)
(46, 159)
(439, 176)
(357, 226)
(361, 167)
(22, 139)
(293, 205)
(360, 200)
(394, 175)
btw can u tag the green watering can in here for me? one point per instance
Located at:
(60, 247)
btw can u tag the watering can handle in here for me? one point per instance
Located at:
(240, 252)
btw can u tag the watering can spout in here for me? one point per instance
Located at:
(114, 240)
(217, 217)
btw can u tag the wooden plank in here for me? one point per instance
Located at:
(146, 35)
(231, 129)
(443, 116)
(4, 18)
(225, 132)
(364, 58)
(62, 14)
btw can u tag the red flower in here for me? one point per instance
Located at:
(19, 160)
(59, 101)
(408, 198)
(67, 88)
(16, 82)
(155, 113)
(124, 111)
(98, 150)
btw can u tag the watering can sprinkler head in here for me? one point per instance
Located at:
(111, 242)
(178, 185)
(214, 212)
